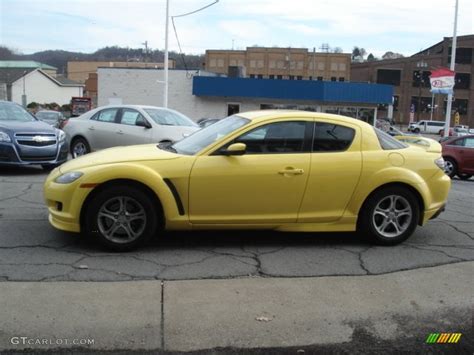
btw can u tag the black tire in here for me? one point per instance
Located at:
(416, 130)
(399, 225)
(121, 230)
(451, 167)
(48, 167)
(464, 176)
(78, 145)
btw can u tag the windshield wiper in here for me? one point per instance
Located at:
(167, 146)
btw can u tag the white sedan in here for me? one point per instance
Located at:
(120, 125)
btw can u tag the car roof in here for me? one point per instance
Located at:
(264, 114)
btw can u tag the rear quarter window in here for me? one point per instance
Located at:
(387, 142)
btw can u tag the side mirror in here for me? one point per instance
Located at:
(235, 149)
(143, 123)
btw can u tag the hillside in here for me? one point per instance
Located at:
(59, 58)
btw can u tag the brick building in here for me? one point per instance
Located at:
(280, 63)
(410, 78)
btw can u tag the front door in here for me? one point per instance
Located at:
(264, 185)
(128, 133)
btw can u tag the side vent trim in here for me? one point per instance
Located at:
(175, 193)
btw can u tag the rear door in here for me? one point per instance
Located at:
(127, 131)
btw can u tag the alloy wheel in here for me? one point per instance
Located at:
(392, 216)
(79, 149)
(121, 219)
(448, 167)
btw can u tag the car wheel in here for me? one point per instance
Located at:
(48, 167)
(416, 130)
(464, 176)
(122, 217)
(79, 147)
(389, 216)
(450, 167)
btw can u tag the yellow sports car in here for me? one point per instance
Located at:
(281, 170)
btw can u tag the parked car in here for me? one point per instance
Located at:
(111, 126)
(281, 170)
(458, 153)
(424, 126)
(455, 132)
(53, 118)
(207, 122)
(25, 140)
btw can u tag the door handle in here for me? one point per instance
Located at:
(291, 171)
(91, 128)
(119, 131)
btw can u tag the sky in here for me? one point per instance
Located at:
(403, 26)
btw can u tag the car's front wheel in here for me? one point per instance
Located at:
(389, 216)
(416, 130)
(79, 147)
(122, 217)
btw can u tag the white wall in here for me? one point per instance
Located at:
(142, 87)
(39, 88)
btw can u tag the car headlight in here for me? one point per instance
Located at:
(68, 177)
(5, 137)
(61, 136)
(440, 163)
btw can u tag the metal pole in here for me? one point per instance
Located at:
(432, 107)
(165, 92)
(447, 121)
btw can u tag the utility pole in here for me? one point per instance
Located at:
(447, 121)
(146, 50)
(165, 92)
(314, 62)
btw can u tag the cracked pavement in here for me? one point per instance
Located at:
(31, 250)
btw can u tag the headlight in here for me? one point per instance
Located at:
(5, 137)
(440, 163)
(61, 136)
(68, 177)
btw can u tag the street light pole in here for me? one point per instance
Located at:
(447, 121)
(165, 91)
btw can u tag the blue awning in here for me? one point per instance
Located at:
(323, 91)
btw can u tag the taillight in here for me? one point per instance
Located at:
(63, 124)
(440, 163)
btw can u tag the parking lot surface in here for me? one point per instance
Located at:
(31, 250)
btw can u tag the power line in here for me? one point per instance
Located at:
(176, 32)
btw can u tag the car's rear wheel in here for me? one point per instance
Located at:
(389, 216)
(450, 167)
(79, 147)
(464, 176)
(122, 217)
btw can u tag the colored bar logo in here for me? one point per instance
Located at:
(443, 338)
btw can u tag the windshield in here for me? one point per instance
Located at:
(47, 116)
(169, 117)
(206, 136)
(13, 112)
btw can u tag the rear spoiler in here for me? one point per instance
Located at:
(428, 144)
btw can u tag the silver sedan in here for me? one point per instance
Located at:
(120, 125)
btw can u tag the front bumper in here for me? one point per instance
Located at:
(11, 154)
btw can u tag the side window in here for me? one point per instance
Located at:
(107, 115)
(469, 142)
(276, 138)
(458, 142)
(130, 117)
(330, 137)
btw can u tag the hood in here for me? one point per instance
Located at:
(12, 126)
(129, 153)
